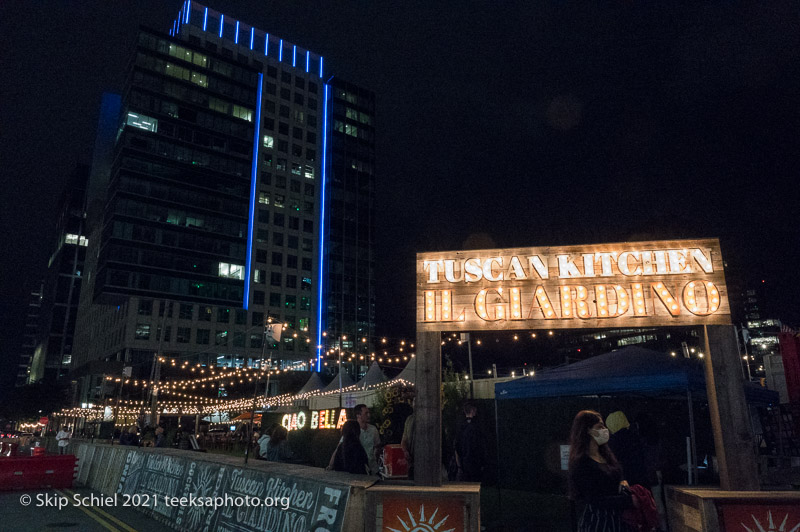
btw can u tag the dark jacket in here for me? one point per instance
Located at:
(351, 458)
(598, 484)
(471, 453)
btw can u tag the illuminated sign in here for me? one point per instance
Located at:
(676, 282)
(316, 419)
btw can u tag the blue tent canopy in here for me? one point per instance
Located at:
(630, 370)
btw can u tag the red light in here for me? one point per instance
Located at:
(579, 350)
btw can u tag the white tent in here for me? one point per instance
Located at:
(313, 384)
(373, 376)
(409, 373)
(334, 384)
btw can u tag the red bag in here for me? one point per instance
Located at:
(643, 517)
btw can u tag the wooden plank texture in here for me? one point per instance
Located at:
(683, 267)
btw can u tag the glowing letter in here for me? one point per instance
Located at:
(515, 269)
(488, 271)
(449, 272)
(433, 267)
(538, 264)
(301, 420)
(639, 308)
(677, 261)
(624, 267)
(472, 270)
(544, 304)
(567, 268)
(666, 298)
(516, 305)
(605, 261)
(691, 302)
(342, 419)
(703, 261)
(481, 307)
(314, 419)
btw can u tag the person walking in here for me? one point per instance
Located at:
(595, 476)
(470, 451)
(350, 455)
(63, 438)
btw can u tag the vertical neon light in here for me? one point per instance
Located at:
(308, 60)
(188, 11)
(248, 274)
(266, 44)
(174, 27)
(320, 66)
(321, 276)
(221, 24)
(280, 51)
(294, 55)
(236, 38)
(205, 20)
(252, 35)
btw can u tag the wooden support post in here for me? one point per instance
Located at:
(428, 410)
(730, 418)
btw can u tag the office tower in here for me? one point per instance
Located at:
(350, 305)
(28, 347)
(209, 201)
(62, 283)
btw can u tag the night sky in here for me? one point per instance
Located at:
(534, 123)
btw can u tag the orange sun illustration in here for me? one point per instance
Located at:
(420, 524)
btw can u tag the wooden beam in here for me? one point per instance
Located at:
(428, 410)
(730, 417)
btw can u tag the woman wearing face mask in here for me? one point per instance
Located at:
(595, 476)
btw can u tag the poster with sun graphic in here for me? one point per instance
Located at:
(760, 517)
(409, 514)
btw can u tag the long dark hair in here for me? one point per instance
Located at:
(351, 432)
(278, 434)
(579, 439)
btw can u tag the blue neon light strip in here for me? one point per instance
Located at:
(221, 24)
(205, 20)
(252, 35)
(280, 51)
(308, 60)
(294, 55)
(253, 182)
(236, 38)
(320, 66)
(174, 27)
(266, 44)
(188, 10)
(321, 276)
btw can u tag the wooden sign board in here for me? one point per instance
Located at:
(629, 284)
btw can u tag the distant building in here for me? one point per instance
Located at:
(209, 211)
(26, 373)
(62, 283)
(349, 316)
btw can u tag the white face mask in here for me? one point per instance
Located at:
(600, 436)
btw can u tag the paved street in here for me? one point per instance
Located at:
(43, 513)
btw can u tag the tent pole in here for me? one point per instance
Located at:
(693, 465)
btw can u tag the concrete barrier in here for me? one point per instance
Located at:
(194, 491)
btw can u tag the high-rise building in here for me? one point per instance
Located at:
(349, 316)
(28, 348)
(62, 283)
(210, 201)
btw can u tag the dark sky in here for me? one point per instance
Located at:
(499, 124)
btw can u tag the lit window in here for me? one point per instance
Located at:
(269, 141)
(297, 169)
(75, 239)
(351, 130)
(242, 112)
(280, 200)
(200, 79)
(309, 171)
(231, 271)
(142, 122)
(263, 198)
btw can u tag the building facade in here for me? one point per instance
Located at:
(211, 204)
(62, 283)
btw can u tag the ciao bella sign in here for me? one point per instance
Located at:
(677, 282)
(316, 419)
